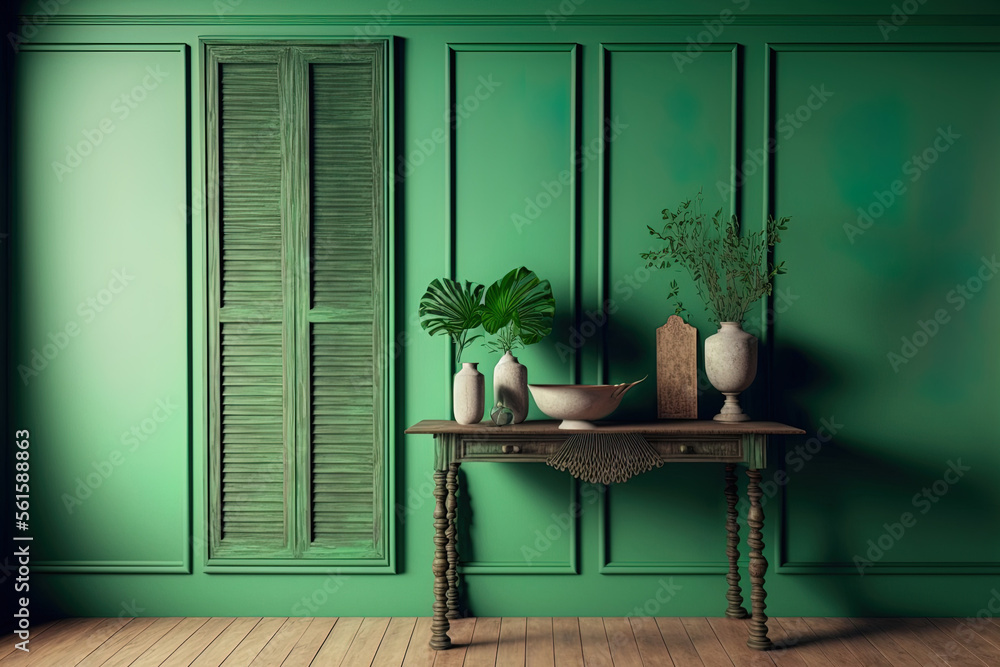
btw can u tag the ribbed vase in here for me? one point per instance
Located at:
(510, 385)
(469, 394)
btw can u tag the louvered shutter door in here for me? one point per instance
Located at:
(250, 477)
(297, 299)
(346, 306)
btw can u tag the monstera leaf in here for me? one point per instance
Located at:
(452, 308)
(522, 304)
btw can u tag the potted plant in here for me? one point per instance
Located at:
(453, 308)
(730, 273)
(518, 309)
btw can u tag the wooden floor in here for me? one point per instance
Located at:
(635, 642)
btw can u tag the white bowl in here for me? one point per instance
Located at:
(577, 404)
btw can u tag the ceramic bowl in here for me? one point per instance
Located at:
(577, 404)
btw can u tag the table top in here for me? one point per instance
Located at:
(551, 427)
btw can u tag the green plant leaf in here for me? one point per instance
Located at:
(521, 299)
(450, 307)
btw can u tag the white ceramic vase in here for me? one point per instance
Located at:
(510, 385)
(469, 394)
(731, 366)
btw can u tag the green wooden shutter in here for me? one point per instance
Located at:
(298, 303)
(346, 303)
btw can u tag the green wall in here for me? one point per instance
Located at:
(898, 123)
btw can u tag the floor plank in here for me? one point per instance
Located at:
(706, 642)
(338, 642)
(278, 648)
(9, 643)
(678, 643)
(731, 633)
(419, 653)
(483, 649)
(309, 643)
(220, 648)
(652, 650)
(829, 643)
(963, 635)
(127, 633)
(138, 645)
(539, 650)
(985, 629)
(621, 641)
(254, 642)
(940, 643)
(907, 640)
(782, 654)
(397, 637)
(795, 638)
(170, 642)
(511, 650)
(852, 638)
(566, 643)
(507, 642)
(193, 646)
(366, 642)
(594, 639)
(885, 643)
(461, 636)
(75, 639)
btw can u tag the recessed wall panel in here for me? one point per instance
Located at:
(885, 161)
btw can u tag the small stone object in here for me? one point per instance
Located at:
(501, 414)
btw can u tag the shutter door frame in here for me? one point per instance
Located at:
(294, 58)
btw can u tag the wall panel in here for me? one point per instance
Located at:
(884, 158)
(100, 297)
(513, 188)
(670, 130)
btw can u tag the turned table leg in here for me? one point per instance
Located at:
(758, 566)
(734, 595)
(440, 624)
(451, 533)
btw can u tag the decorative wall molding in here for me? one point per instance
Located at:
(541, 19)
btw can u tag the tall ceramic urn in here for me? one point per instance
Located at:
(731, 366)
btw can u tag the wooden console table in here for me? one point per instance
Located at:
(534, 441)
